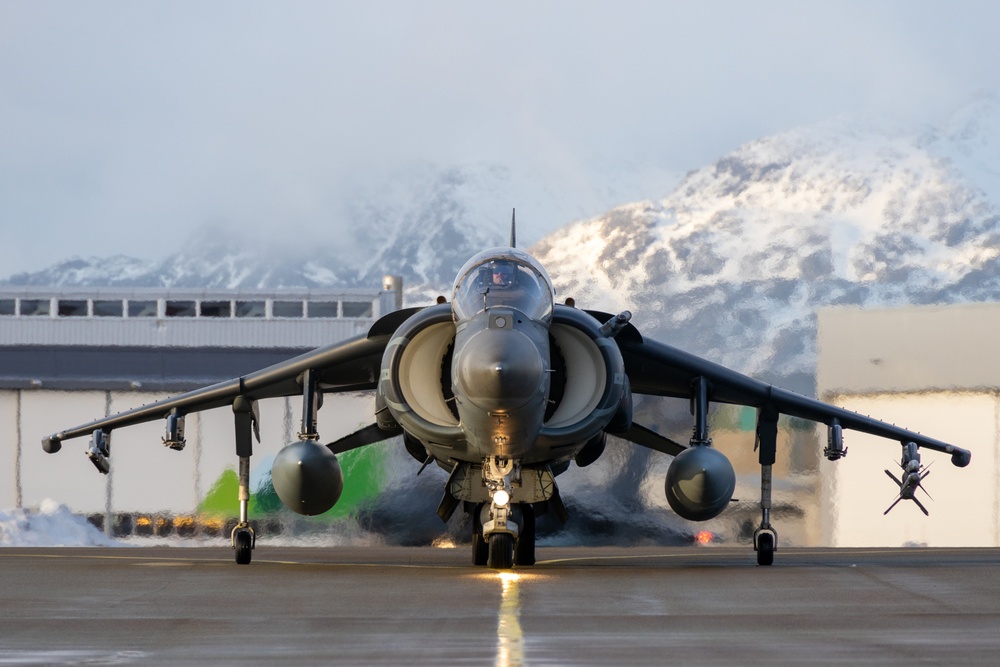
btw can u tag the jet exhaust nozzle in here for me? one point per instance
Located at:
(307, 477)
(700, 483)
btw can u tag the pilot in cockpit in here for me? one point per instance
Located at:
(502, 277)
(502, 274)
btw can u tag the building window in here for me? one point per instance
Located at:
(357, 309)
(322, 308)
(181, 308)
(72, 308)
(216, 308)
(8, 307)
(286, 309)
(141, 308)
(250, 309)
(107, 308)
(35, 307)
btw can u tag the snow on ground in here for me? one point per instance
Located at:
(49, 525)
(52, 524)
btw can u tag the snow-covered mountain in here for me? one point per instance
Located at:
(731, 264)
(211, 258)
(734, 262)
(422, 222)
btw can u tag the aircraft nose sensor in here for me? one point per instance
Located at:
(500, 369)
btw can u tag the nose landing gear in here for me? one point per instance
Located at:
(503, 531)
(503, 550)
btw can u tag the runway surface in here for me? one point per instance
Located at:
(425, 606)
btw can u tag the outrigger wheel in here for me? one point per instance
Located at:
(243, 543)
(764, 545)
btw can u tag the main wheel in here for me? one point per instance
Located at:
(765, 549)
(524, 552)
(244, 547)
(501, 556)
(480, 549)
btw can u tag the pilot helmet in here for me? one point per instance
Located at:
(502, 274)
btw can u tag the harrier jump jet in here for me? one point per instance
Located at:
(504, 389)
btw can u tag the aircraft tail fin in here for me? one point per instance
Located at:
(513, 229)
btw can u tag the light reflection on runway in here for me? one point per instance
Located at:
(578, 606)
(510, 638)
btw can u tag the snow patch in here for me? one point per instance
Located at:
(51, 524)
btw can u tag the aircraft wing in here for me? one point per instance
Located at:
(349, 365)
(659, 369)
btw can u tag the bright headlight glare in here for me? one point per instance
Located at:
(501, 498)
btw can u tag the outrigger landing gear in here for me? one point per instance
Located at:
(243, 536)
(765, 538)
(244, 539)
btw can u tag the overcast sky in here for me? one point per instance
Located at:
(125, 125)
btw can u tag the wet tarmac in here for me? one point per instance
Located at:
(425, 606)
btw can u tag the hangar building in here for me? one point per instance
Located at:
(70, 355)
(932, 369)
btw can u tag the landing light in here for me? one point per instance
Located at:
(501, 498)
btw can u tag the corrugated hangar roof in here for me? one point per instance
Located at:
(170, 340)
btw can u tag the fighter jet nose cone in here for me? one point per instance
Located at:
(499, 369)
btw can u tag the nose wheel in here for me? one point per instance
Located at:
(501, 551)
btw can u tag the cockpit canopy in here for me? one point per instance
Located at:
(503, 277)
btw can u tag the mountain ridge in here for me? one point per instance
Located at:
(730, 264)
(733, 263)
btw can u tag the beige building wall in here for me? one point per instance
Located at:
(964, 507)
(934, 370)
(145, 476)
(9, 452)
